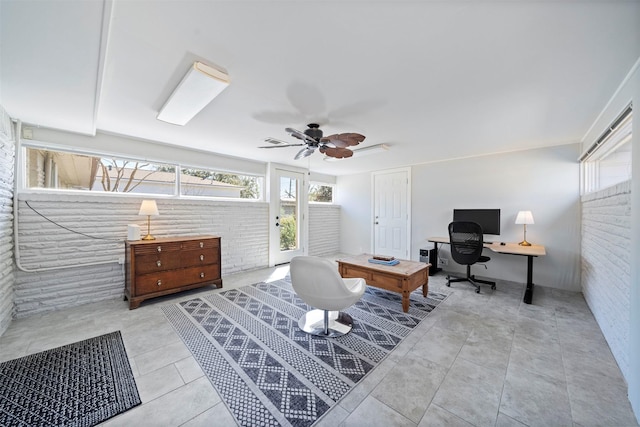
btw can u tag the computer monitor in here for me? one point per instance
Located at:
(489, 219)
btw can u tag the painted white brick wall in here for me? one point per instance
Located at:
(7, 150)
(242, 226)
(324, 229)
(606, 265)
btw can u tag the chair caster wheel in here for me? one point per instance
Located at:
(448, 285)
(477, 291)
(493, 288)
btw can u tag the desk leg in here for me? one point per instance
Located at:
(528, 293)
(434, 265)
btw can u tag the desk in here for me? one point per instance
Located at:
(510, 249)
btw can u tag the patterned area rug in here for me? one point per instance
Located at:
(80, 384)
(269, 372)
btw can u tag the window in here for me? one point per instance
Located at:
(206, 183)
(69, 171)
(608, 160)
(320, 193)
(48, 168)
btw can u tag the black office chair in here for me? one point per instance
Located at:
(466, 249)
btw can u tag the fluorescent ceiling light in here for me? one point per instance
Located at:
(366, 151)
(199, 86)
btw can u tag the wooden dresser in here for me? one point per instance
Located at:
(169, 265)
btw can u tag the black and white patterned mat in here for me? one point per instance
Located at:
(267, 370)
(80, 384)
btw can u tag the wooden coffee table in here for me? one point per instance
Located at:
(404, 278)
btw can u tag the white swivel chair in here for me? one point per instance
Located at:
(317, 282)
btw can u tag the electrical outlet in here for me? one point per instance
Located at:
(443, 261)
(121, 260)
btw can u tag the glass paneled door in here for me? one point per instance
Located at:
(288, 205)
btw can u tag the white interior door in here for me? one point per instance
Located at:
(288, 216)
(391, 208)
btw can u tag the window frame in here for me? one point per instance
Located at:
(616, 136)
(261, 183)
(323, 184)
(21, 175)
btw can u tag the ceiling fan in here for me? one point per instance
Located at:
(312, 139)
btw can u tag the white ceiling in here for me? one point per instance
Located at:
(435, 80)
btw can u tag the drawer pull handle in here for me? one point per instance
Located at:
(159, 248)
(159, 282)
(201, 257)
(159, 263)
(202, 244)
(202, 275)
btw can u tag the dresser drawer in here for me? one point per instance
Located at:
(192, 258)
(201, 274)
(200, 244)
(159, 261)
(157, 248)
(156, 282)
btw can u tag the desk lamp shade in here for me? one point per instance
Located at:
(148, 208)
(524, 218)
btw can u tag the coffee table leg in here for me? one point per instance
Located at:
(405, 301)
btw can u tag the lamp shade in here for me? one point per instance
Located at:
(524, 217)
(149, 207)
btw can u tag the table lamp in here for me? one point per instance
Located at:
(148, 208)
(524, 218)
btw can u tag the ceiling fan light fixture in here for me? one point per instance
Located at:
(198, 88)
(373, 149)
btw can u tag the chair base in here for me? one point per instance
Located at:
(471, 279)
(337, 323)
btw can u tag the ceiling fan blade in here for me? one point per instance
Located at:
(339, 153)
(282, 146)
(343, 140)
(299, 135)
(305, 152)
(275, 141)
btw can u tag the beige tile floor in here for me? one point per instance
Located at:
(478, 360)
